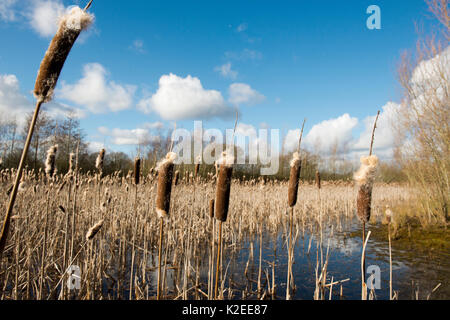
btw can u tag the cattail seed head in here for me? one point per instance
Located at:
(223, 187)
(164, 186)
(294, 178)
(211, 208)
(198, 160)
(99, 160)
(94, 230)
(137, 170)
(365, 177)
(50, 161)
(70, 27)
(177, 177)
(318, 182)
(71, 160)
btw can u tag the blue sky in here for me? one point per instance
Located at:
(289, 59)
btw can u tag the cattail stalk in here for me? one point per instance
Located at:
(294, 178)
(365, 177)
(48, 74)
(222, 202)
(164, 189)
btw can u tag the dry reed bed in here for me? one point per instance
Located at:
(121, 260)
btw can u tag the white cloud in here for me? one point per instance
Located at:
(95, 146)
(245, 129)
(330, 134)
(384, 134)
(242, 93)
(185, 98)
(128, 137)
(13, 103)
(153, 125)
(226, 71)
(324, 136)
(7, 12)
(44, 16)
(96, 92)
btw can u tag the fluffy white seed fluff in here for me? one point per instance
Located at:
(366, 173)
(295, 160)
(170, 157)
(76, 19)
(225, 159)
(50, 161)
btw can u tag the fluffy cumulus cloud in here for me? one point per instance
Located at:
(14, 105)
(226, 71)
(385, 135)
(139, 136)
(180, 98)
(44, 16)
(96, 92)
(242, 93)
(332, 134)
(325, 136)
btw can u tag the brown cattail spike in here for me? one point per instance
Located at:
(365, 177)
(137, 170)
(50, 161)
(94, 230)
(197, 166)
(211, 208)
(294, 178)
(164, 187)
(177, 177)
(70, 27)
(318, 182)
(99, 160)
(223, 187)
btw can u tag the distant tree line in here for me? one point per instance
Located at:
(70, 138)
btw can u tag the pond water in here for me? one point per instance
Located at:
(414, 275)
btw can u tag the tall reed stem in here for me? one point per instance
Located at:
(158, 290)
(288, 283)
(12, 199)
(219, 248)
